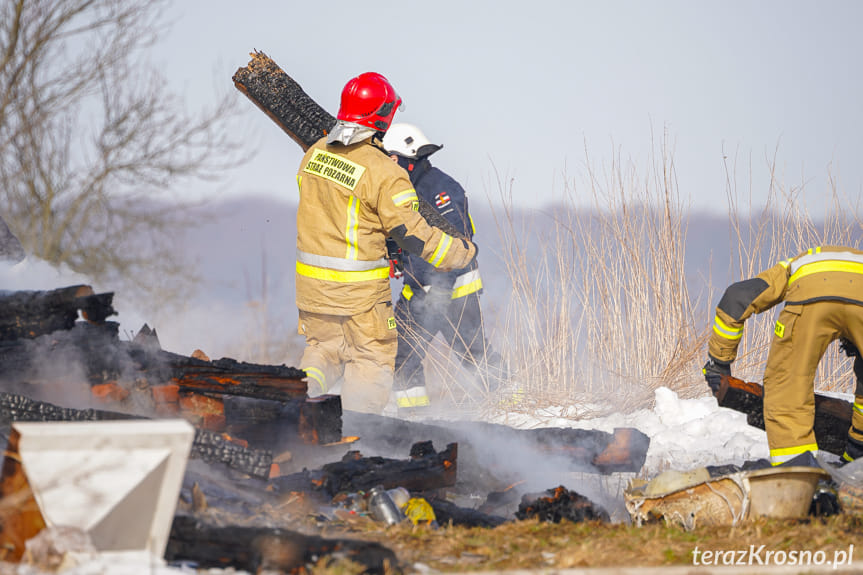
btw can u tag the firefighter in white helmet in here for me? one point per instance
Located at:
(432, 301)
(352, 197)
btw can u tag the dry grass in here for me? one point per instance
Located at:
(604, 310)
(531, 544)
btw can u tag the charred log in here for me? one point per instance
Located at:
(256, 549)
(558, 504)
(29, 314)
(207, 446)
(358, 473)
(576, 449)
(283, 100)
(832, 415)
(280, 425)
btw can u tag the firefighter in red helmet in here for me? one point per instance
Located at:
(352, 197)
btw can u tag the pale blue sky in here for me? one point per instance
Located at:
(526, 87)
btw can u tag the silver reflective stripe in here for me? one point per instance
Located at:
(824, 256)
(340, 264)
(466, 278)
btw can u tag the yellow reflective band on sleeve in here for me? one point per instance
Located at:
(352, 227)
(407, 292)
(442, 248)
(331, 275)
(783, 454)
(318, 376)
(299, 182)
(467, 289)
(405, 197)
(826, 266)
(472, 227)
(858, 408)
(335, 168)
(724, 331)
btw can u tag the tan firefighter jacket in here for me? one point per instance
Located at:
(824, 273)
(352, 198)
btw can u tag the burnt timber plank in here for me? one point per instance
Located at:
(832, 415)
(29, 314)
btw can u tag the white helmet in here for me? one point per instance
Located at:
(407, 140)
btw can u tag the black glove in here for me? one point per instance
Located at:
(713, 371)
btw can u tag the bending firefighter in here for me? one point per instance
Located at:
(432, 301)
(352, 197)
(823, 294)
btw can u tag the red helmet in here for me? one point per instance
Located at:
(369, 100)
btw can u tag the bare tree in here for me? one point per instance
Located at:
(94, 151)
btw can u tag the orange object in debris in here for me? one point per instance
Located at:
(275, 471)
(20, 517)
(235, 440)
(166, 393)
(110, 391)
(200, 404)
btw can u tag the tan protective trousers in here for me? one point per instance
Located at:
(800, 339)
(360, 348)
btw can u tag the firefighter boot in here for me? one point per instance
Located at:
(853, 450)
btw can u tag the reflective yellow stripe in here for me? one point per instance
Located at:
(783, 454)
(413, 401)
(351, 230)
(723, 330)
(442, 248)
(341, 276)
(299, 182)
(318, 376)
(858, 407)
(408, 292)
(467, 289)
(826, 266)
(472, 227)
(405, 197)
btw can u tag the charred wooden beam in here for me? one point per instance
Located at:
(283, 100)
(230, 377)
(29, 314)
(280, 426)
(257, 549)
(832, 415)
(208, 446)
(358, 473)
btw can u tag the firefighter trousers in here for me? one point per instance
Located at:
(460, 324)
(360, 349)
(801, 336)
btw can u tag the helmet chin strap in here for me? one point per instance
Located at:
(347, 133)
